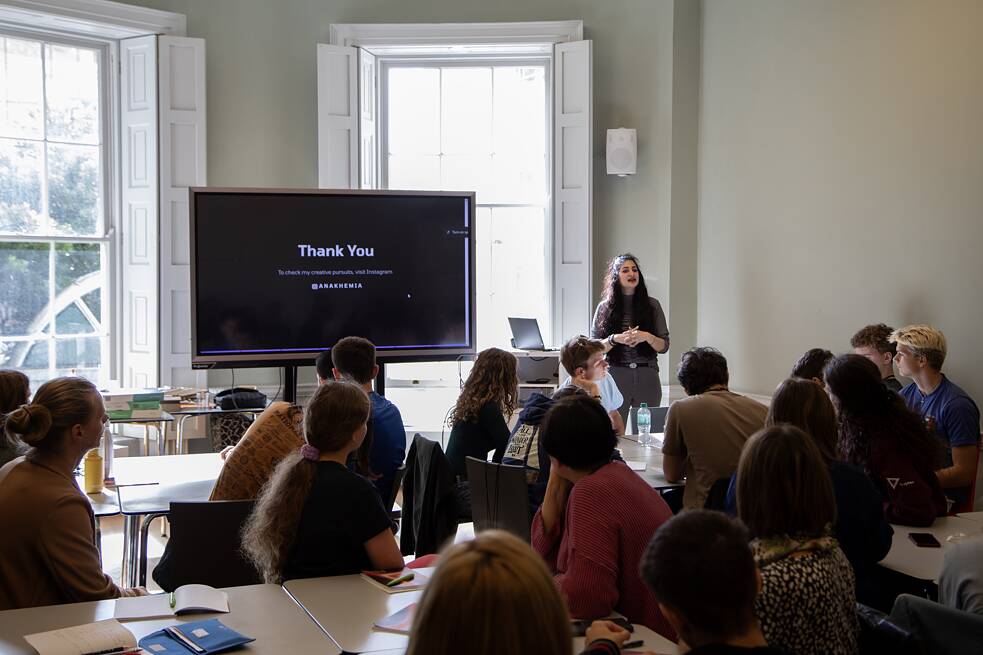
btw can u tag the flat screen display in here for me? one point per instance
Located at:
(280, 275)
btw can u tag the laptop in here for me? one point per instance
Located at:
(526, 334)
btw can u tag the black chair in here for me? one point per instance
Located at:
(398, 476)
(717, 495)
(499, 497)
(205, 546)
(429, 505)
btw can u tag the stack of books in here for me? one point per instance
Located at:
(126, 404)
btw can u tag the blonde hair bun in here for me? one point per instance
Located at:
(29, 423)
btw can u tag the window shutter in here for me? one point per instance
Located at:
(368, 108)
(182, 165)
(138, 224)
(337, 117)
(572, 197)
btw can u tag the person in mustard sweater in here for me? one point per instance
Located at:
(48, 553)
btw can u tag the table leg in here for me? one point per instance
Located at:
(144, 542)
(131, 548)
(179, 443)
(99, 538)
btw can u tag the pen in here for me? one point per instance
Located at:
(118, 649)
(171, 600)
(401, 579)
(633, 644)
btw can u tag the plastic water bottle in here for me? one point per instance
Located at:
(643, 419)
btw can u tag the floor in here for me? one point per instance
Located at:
(112, 548)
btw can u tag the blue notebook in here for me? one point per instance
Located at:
(211, 636)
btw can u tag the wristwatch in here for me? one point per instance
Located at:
(611, 340)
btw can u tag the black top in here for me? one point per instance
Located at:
(343, 511)
(475, 438)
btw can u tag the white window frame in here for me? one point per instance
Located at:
(109, 164)
(96, 23)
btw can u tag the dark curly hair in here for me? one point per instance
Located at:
(869, 412)
(612, 309)
(876, 336)
(811, 364)
(701, 368)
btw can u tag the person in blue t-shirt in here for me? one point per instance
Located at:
(584, 360)
(353, 359)
(946, 409)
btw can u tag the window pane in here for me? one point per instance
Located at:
(37, 356)
(410, 172)
(516, 282)
(520, 110)
(21, 90)
(72, 93)
(93, 302)
(466, 111)
(517, 179)
(467, 173)
(77, 353)
(414, 128)
(73, 189)
(71, 320)
(77, 265)
(20, 186)
(24, 280)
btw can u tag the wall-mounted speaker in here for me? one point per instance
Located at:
(622, 151)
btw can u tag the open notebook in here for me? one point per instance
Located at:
(188, 599)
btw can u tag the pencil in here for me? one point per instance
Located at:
(401, 579)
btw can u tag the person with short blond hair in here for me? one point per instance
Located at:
(583, 358)
(947, 410)
(873, 342)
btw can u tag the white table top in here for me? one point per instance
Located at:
(972, 516)
(149, 484)
(104, 503)
(631, 450)
(346, 606)
(926, 563)
(265, 612)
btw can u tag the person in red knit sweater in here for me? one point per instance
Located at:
(596, 519)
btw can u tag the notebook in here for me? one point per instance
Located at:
(101, 636)
(188, 599)
(399, 622)
(193, 638)
(383, 579)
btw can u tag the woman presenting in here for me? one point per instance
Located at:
(634, 329)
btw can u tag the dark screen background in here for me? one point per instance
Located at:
(250, 298)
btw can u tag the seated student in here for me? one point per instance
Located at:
(706, 431)
(353, 358)
(487, 400)
(863, 532)
(315, 517)
(15, 390)
(701, 571)
(961, 580)
(48, 552)
(493, 595)
(807, 602)
(810, 366)
(597, 518)
(872, 342)
(882, 436)
(584, 360)
(947, 410)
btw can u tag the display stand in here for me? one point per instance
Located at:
(290, 384)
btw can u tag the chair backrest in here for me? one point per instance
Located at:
(205, 544)
(397, 483)
(499, 497)
(658, 418)
(429, 515)
(717, 495)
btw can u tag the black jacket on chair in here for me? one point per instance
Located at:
(429, 510)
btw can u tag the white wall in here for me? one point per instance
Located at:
(841, 178)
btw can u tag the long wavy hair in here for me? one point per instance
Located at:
(333, 414)
(15, 390)
(493, 379)
(490, 595)
(869, 412)
(612, 309)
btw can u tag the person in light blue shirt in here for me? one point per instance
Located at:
(947, 410)
(584, 359)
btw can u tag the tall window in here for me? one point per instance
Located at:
(54, 231)
(480, 126)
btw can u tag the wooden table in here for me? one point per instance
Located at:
(265, 612)
(346, 606)
(925, 564)
(146, 487)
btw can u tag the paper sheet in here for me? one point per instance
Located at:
(81, 639)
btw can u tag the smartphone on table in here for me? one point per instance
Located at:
(924, 540)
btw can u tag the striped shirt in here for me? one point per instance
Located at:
(594, 554)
